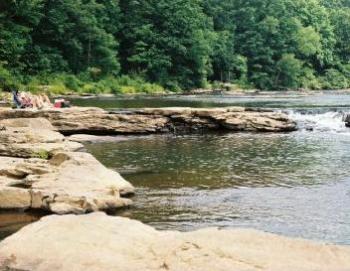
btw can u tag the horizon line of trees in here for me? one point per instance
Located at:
(179, 44)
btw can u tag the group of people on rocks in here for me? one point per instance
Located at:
(24, 100)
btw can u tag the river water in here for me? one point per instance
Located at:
(296, 184)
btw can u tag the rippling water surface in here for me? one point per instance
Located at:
(296, 184)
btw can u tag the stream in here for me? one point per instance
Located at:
(296, 184)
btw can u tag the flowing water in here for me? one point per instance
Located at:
(296, 184)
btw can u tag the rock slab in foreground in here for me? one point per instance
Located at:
(97, 121)
(101, 243)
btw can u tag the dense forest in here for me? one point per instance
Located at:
(120, 45)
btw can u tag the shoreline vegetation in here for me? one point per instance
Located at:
(158, 91)
(129, 47)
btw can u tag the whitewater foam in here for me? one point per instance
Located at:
(325, 122)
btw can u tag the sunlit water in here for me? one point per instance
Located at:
(296, 184)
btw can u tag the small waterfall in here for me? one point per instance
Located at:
(322, 122)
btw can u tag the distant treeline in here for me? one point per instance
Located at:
(175, 44)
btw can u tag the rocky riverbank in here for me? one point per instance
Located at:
(98, 242)
(40, 168)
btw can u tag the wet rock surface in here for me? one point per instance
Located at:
(99, 242)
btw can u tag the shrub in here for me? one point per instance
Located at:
(58, 88)
(308, 80)
(289, 72)
(334, 79)
(172, 86)
(72, 82)
(7, 80)
(128, 90)
(67, 83)
(41, 154)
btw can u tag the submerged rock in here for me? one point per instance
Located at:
(85, 120)
(99, 242)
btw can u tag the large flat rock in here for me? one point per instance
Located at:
(100, 243)
(39, 169)
(29, 138)
(70, 182)
(86, 120)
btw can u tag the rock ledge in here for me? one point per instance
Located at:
(101, 243)
(96, 121)
(40, 169)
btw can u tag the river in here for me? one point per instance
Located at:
(296, 184)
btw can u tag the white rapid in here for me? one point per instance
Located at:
(322, 122)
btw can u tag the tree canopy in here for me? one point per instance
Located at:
(180, 44)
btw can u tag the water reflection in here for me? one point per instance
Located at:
(326, 101)
(234, 160)
(294, 184)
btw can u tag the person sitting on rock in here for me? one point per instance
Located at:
(27, 100)
(41, 101)
(61, 103)
(17, 99)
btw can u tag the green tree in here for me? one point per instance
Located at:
(167, 40)
(73, 36)
(17, 20)
(271, 44)
(289, 71)
(267, 30)
(341, 21)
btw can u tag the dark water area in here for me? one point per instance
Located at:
(11, 222)
(318, 101)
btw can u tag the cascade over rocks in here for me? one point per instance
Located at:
(101, 243)
(96, 121)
